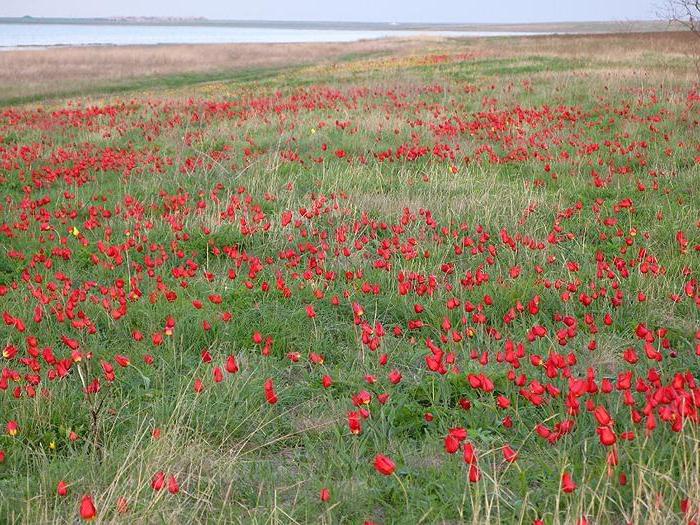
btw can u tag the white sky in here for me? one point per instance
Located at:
(457, 11)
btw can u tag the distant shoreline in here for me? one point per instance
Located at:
(549, 27)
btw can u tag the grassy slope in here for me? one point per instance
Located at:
(241, 460)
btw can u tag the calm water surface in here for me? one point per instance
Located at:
(43, 35)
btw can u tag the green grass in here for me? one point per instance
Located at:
(173, 81)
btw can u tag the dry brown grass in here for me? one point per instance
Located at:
(599, 46)
(666, 56)
(45, 71)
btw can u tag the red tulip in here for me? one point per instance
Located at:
(469, 453)
(354, 422)
(270, 392)
(460, 433)
(286, 218)
(12, 428)
(474, 473)
(87, 508)
(606, 435)
(62, 488)
(503, 402)
(509, 454)
(602, 416)
(384, 465)
(395, 377)
(158, 481)
(567, 483)
(173, 487)
(451, 444)
(122, 360)
(231, 365)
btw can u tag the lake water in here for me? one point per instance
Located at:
(43, 35)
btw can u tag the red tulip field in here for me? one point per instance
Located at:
(447, 286)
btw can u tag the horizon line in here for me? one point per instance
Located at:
(169, 18)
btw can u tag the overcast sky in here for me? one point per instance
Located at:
(464, 11)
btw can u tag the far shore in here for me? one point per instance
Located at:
(540, 27)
